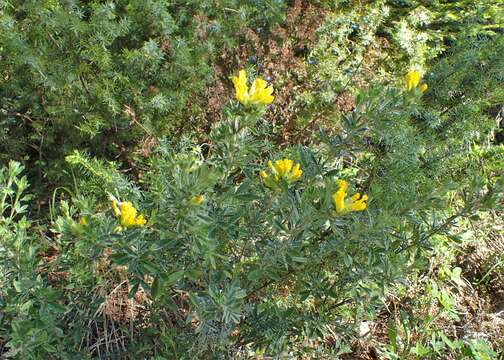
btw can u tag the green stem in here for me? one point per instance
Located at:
(2, 204)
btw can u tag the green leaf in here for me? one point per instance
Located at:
(119, 258)
(392, 334)
(26, 306)
(420, 350)
(193, 274)
(151, 269)
(255, 275)
(173, 278)
(273, 275)
(134, 289)
(157, 288)
(452, 345)
(247, 197)
(455, 276)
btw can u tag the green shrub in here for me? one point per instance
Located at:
(234, 262)
(361, 43)
(208, 250)
(102, 75)
(30, 309)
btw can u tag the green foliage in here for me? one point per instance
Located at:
(361, 43)
(29, 306)
(262, 267)
(424, 326)
(101, 75)
(226, 265)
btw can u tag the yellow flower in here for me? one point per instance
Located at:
(281, 170)
(197, 200)
(127, 214)
(140, 220)
(83, 221)
(344, 205)
(117, 212)
(412, 79)
(284, 169)
(241, 88)
(259, 94)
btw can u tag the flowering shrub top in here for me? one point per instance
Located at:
(252, 269)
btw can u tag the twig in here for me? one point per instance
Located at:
(18, 114)
(131, 114)
(84, 85)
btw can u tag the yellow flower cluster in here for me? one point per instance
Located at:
(281, 170)
(344, 205)
(413, 79)
(127, 214)
(259, 93)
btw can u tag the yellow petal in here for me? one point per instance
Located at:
(339, 200)
(288, 165)
(140, 221)
(283, 167)
(128, 214)
(412, 79)
(424, 87)
(343, 185)
(260, 94)
(116, 210)
(296, 172)
(357, 204)
(241, 88)
(272, 168)
(278, 166)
